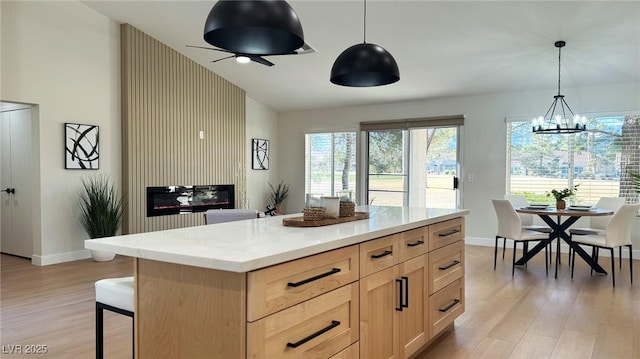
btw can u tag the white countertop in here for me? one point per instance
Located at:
(247, 245)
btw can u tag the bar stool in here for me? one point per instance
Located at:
(116, 295)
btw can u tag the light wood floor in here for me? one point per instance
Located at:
(527, 316)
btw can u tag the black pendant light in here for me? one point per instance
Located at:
(365, 65)
(258, 27)
(559, 117)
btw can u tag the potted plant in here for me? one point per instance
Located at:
(278, 195)
(100, 211)
(561, 195)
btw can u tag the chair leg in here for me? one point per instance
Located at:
(513, 262)
(546, 261)
(573, 263)
(504, 246)
(99, 332)
(495, 253)
(630, 263)
(613, 269)
(558, 249)
(620, 256)
(593, 256)
(525, 250)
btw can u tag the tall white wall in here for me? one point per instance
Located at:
(64, 57)
(483, 137)
(262, 122)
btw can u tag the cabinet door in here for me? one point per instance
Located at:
(414, 318)
(379, 298)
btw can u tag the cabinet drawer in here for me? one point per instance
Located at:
(317, 328)
(352, 352)
(378, 254)
(445, 233)
(413, 243)
(446, 264)
(281, 286)
(445, 306)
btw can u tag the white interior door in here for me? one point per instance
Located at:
(16, 183)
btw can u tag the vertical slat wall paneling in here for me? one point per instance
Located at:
(167, 100)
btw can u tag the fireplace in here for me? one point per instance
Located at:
(167, 200)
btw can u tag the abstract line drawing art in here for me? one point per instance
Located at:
(260, 154)
(81, 147)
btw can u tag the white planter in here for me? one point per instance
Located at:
(101, 256)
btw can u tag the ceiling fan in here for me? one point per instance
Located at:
(246, 58)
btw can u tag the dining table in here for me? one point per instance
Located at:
(559, 229)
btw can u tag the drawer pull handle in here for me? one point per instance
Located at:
(334, 323)
(447, 234)
(309, 280)
(454, 263)
(451, 305)
(399, 307)
(383, 254)
(416, 243)
(406, 292)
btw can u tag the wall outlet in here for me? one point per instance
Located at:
(201, 135)
(470, 177)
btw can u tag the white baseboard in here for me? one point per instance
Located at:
(564, 248)
(60, 257)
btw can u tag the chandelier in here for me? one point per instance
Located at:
(559, 117)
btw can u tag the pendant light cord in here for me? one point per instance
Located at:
(364, 40)
(559, 52)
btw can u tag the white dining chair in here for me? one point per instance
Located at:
(510, 227)
(597, 224)
(617, 233)
(518, 200)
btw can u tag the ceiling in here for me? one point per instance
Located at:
(443, 48)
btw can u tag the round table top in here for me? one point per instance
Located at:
(553, 211)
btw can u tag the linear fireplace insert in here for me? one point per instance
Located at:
(188, 199)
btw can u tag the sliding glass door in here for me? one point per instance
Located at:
(413, 167)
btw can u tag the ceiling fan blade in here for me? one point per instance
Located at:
(224, 58)
(261, 61)
(208, 48)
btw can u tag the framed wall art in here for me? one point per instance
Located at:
(260, 154)
(81, 147)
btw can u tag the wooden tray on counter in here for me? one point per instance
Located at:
(300, 222)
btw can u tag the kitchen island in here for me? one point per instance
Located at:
(379, 287)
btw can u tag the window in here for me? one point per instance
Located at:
(600, 160)
(330, 163)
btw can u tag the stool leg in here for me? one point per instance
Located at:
(133, 337)
(99, 332)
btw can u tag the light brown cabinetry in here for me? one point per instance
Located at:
(446, 274)
(393, 313)
(317, 328)
(383, 298)
(274, 288)
(411, 288)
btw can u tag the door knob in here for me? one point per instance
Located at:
(10, 190)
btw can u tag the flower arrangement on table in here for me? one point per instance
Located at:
(562, 194)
